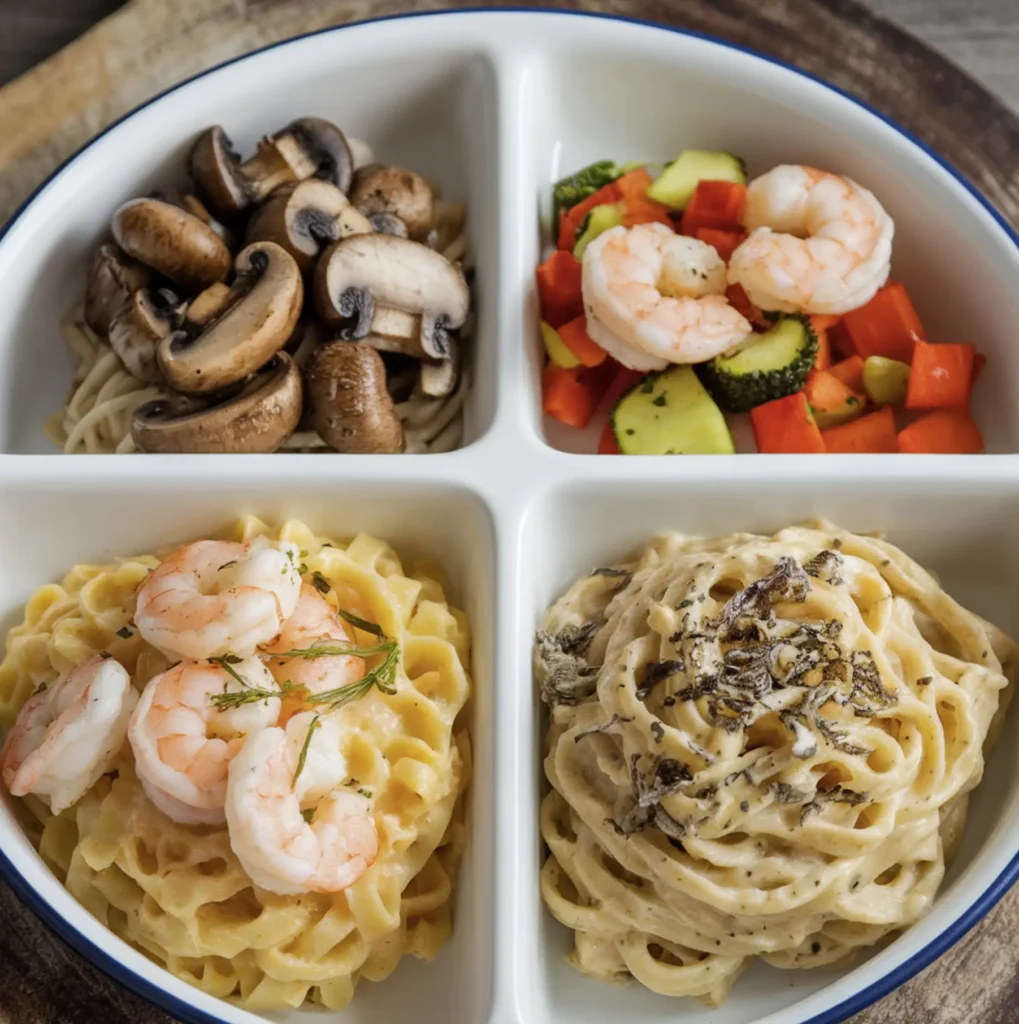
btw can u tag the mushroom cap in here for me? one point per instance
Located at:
(112, 279)
(258, 419)
(327, 146)
(364, 280)
(304, 217)
(382, 188)
(137, 330)
(171, 241)
(214, 165)
(255, 323)
(350, 405)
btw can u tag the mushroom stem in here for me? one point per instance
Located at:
(113, 278)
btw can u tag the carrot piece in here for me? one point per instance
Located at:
(715, 204)
(640, 209)
(941, 376)
(571, 219)
(575, 337)
(566, 396)
(820, 325)
(979, 362)
(785, 426)
(607, 442)
(841, 344)
(850, 372)
(599, 378)
(826, 392)
(559, 288)
(874, 432)
(942, 432)
(723, 241)
(886, 326)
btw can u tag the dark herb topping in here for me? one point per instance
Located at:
(657, 672)
(125, 633)
(826, 565)
(666, 776)
(604, 727)
(320, 583)
(568, 679)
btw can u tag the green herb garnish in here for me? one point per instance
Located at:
(304, 753)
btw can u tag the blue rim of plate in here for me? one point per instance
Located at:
(835, 1014)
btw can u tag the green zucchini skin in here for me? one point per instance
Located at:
(670, 413)
(774, 366)
(677, 183)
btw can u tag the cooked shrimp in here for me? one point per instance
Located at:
(216, 597)
(183, 743)
(818, 243)
(661, 294)
(68, 734)
(314, 623)
(278, 849)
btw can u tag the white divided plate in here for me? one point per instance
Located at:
(496, 105)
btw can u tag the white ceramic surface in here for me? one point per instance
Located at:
(496, 105)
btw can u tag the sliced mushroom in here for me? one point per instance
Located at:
(381, 188)
(247, 329)
(206, 305)
(137, 330)
(112, 279)
(304, 217)
(171, 241)
(393, 288)
(305, 148)
(258, 419)
(350, 406)
(388, 224)
(439, 379)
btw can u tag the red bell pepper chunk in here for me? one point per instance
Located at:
(723, 241)
(571, 219)
(607, 442)
(559, 288)
(566, 396)
(886, 326)
(715, 204)
(941, 376)
(785, 427)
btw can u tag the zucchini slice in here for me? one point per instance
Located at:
(670, 413)
(677, 182)
(773, 366)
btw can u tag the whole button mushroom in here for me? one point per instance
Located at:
(350, 406)
(394, 289)
(171, 241)
(304, 217)
(305, 148)
(258, 419)
(246, 329)
(112, 279)
(381, 188)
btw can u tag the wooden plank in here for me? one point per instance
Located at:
(148, 45)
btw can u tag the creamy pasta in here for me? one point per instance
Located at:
(177, 892)
(758, 747)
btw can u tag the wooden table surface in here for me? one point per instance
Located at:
(981, 36)
(43, 982)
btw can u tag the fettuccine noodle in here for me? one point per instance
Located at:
(759, 747)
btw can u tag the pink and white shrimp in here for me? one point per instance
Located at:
(183, 742)
(653, 297)
(276, 846)
(69, 733)
(314, 623)
(818, 243)
(213, 597)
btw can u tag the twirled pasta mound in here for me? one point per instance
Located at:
(759, 746)
(177, 892)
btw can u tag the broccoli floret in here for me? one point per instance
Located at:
(571, 190)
